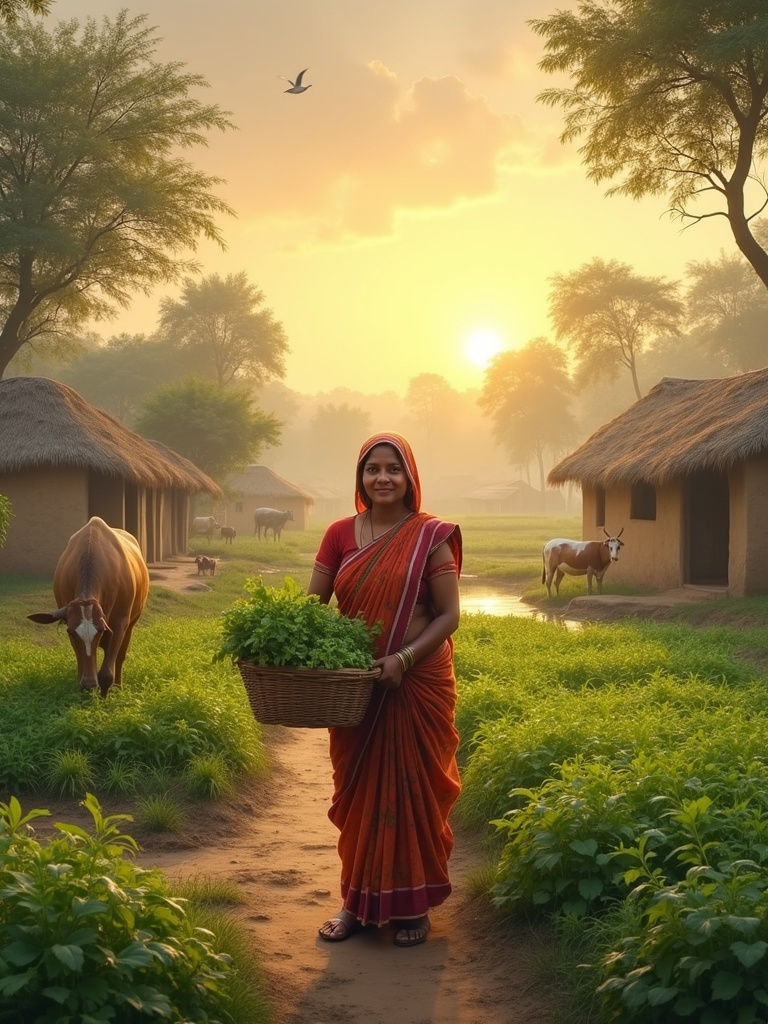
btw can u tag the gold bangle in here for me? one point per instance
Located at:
(410, 657)
(401, 659)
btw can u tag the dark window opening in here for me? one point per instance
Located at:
(599, 506)
(643, 502)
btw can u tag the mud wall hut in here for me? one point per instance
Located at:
(685, 472)
(63, 460)
(260, 487)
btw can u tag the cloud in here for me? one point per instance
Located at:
(359, 150)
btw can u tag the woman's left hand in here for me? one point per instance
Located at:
(391, 672)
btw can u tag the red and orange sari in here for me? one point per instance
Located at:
(395, 775)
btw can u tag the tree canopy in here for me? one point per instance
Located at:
(670, 98)
(608, 314)
(728, 311)
(120, 374)
(216, 428)
(12, 10)
(527, 395)
(95, 200)
(223, 330)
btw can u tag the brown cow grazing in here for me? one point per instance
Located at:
(205, 564)
(100, 584)
(588, 558)
(228, 534)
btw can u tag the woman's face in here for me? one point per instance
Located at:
(384, 479)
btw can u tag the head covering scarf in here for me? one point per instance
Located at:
(403, 448)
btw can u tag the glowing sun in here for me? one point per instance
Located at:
(481, 346)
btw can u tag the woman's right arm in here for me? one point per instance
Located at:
(321, 583)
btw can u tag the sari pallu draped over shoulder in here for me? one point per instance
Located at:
(395, 775)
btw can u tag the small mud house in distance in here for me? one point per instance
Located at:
(62, 461)
(685, 472)
(259, 487)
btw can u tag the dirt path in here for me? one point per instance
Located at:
(284, 859)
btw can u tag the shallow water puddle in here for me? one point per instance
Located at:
(491, 600)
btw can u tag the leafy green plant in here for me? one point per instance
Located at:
(558, 854)
(285, 626)
(86, 935)
(701, 954)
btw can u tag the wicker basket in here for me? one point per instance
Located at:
(310, 698)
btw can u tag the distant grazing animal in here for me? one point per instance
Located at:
(296, 86)
(204, 526)
(100, 584)
(228, 534)
(271, 519)
(205, 564)
(588, 558)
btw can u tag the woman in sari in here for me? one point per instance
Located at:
(395, 776)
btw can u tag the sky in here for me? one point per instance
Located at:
(406, 213)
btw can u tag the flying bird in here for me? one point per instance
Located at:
(297, 86)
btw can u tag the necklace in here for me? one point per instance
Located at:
(369, 520)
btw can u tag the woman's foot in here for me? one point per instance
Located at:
(412, 933)
(338, 928)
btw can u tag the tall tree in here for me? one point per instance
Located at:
(672, 97)
(120, 374)
(608, 314)
(728, 311)
(222, 328)
(335, 435)
(95, 201)
(216, 428)
(526, 394)
(12, 10)
(434, 407)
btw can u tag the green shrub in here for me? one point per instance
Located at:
(86, 936)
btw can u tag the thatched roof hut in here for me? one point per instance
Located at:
(44, 423)
(62, 461)
(685, 472)
(678, 428)
(259, 486)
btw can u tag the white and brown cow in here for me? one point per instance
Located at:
(588, 558)
(100, 584)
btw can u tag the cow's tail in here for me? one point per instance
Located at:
(544, 569)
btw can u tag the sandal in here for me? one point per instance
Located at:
(337, 929)
(412, 933)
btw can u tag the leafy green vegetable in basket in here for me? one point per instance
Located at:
(288, 627)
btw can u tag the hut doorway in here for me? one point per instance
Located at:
(707, 513)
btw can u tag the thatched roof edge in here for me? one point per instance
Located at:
(678, 428)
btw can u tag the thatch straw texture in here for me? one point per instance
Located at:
(44, 423)
(205, 484)
(678, 428)
(264, 482)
